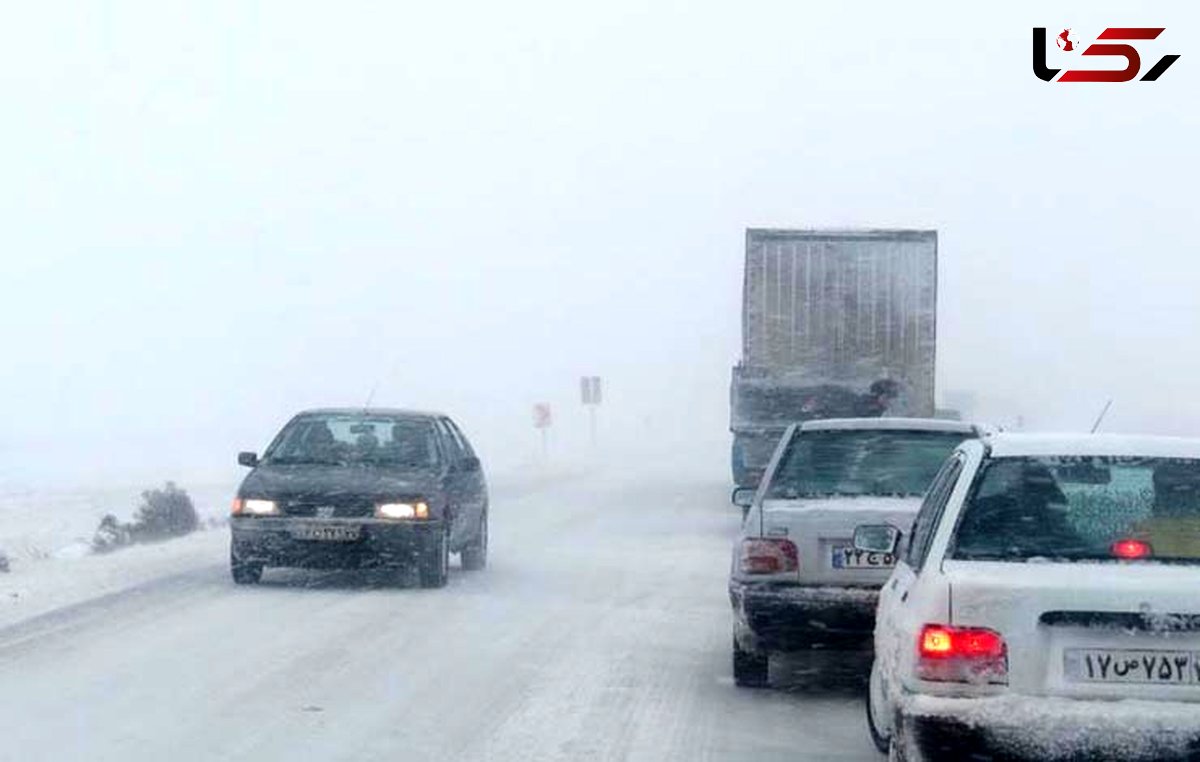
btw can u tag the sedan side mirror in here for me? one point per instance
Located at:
(876, 538)
(248, 459)
(743, 497)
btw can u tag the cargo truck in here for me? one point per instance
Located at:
(835, 324)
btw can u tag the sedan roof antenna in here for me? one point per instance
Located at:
(378, 380)
(371, 395)
(1100, 417)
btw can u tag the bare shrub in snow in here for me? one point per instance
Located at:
(110, 535)
(163, 513)
(166, 512)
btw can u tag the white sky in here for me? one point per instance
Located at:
(214, 214)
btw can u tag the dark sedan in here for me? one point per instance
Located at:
(342, 488)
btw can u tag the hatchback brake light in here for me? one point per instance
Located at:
(769, 556)
(961, 655)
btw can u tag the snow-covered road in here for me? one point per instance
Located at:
(599, 631)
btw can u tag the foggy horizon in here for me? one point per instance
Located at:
(232, 217)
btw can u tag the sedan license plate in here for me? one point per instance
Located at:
(1111, 665)
(848, 557)
(326, 532)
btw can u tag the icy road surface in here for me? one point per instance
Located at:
(599, 631)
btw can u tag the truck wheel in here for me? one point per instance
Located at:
(750, 669)
(434, 566)
(474, 556)
(245, 573)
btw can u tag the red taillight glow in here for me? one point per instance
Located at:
(962, 655)
(769, 556)
(936, 641)
(979, 644)
(1130, 549)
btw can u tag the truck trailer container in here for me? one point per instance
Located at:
(835, 323)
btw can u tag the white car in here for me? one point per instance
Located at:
(1045, 604)
(796, 581)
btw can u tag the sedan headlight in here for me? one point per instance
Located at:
(254, 507)
(416, 509)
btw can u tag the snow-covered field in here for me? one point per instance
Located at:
(600, 630)
(46, 536)
(37, 525)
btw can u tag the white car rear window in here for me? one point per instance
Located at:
(1082, 509)
(861, 462)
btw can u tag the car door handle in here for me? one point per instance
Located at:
(895, 583)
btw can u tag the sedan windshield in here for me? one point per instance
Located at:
(861, 462)
(346, 439)
(1024, 509)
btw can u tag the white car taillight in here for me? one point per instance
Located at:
(769, 556)
(962, 655)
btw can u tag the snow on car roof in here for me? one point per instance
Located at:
(387, 412)
(1009, 445)
(890, 424)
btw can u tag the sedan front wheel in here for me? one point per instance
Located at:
(244, 572)
(434, 566)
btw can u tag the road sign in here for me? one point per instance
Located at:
(589, 394)
(589, 390)
(541, 415)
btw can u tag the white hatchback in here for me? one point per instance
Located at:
(1045, 604)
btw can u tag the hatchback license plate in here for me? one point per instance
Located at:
(326, 532)
(848, 557)
(1104, 665)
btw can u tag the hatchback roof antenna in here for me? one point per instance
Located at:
(1100, 417)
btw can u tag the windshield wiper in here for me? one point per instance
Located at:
(279, 461)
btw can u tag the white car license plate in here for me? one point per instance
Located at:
(326, 532)
(848, 557)
(1111, 665)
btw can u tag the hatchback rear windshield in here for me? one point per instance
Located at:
(1023, 509)
(346, 439)
(861, 462)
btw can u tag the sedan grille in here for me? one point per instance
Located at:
(328, 508)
